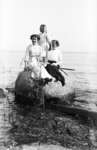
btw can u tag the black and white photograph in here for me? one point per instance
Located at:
(48, 74)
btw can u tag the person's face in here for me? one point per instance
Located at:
(45, 29)
(34, 40)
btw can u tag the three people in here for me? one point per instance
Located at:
(44, 63)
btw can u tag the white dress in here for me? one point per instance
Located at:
(44, 44)
(33, 56)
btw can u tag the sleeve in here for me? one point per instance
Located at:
(48, 42)
(41, 51)
(47, 39)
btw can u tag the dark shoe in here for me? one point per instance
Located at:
(63, 83)
(47, 80)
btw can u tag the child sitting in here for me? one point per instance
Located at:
(54, 61)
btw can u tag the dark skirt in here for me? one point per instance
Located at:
(55, 72)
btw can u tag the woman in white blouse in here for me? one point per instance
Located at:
(54, 54)
(54, 62)
(33, 59)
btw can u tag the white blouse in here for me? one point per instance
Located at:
(33, 51)
(33, 54)
(55, 55)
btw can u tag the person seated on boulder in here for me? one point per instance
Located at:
(32, 60)
(44, 41)
(54, 61)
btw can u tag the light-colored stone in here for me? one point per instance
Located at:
(44, 147)
(55, 89)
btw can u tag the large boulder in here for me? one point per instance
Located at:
(33, 89)
(55, 91)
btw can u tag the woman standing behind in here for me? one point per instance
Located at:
(44, 42)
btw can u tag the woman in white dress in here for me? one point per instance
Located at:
(33, 59)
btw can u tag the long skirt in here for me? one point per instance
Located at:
(54, 71)
(38, 70)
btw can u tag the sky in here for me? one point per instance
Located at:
(72, 22)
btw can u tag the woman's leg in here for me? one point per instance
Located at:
(52, 70)
(61, 78)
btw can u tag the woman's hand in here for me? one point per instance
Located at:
(26, 63)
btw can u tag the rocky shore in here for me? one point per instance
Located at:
(27, 127)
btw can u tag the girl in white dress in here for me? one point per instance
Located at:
(44, 41)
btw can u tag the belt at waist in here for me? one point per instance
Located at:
(51, 61)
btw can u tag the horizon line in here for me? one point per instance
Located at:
(14, 51)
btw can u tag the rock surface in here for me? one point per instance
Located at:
(2, 93)
(27, 86)
(44, 147)
(76, 92)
